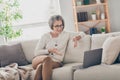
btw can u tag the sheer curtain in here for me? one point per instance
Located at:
(36, 14)
(54, 8)
(36, 11)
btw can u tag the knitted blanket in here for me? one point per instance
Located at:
(15, 72)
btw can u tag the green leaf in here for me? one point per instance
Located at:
(17, 16)
(2, 15)
(9, 14)
(1, 1)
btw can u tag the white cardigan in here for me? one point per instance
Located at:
(47, 42)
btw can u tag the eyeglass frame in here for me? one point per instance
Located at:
(56, 26)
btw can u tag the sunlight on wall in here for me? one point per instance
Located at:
(37, 11)
(33, 33)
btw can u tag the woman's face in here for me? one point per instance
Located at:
(58, 26)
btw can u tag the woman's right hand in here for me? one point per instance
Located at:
(54, 50)
(76, 39)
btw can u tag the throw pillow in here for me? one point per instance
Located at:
(13, 54)
(111, 49)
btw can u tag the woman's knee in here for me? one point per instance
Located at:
(47, 59)
(34, 64)
(39, 60)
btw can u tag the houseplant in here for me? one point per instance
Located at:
(93, 15)
(9, 12)
(103, 30)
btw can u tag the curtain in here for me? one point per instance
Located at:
(54, 7)
(36, 11)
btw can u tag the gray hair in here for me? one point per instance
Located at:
(55, 18)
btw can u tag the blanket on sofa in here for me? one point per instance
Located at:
(15, 72)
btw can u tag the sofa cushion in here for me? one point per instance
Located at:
(76, 54)
(98, 39)
(63, 73)
(99, 72)
(29, 48)
(111, 49)
(12, 54)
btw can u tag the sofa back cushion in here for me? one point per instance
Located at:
(29, 48)
(111, 49)
(97, 40)
(12, 54)
(76, 54)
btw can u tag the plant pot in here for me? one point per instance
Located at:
(102, 16)
(79, 3)
(93, 16)
(103, 32)
(98, 1)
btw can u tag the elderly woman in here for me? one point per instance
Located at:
(51, 48)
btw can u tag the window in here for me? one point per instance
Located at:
(32, 33)
(35, 11)
(35, 17)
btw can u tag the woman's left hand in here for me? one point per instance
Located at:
(75, 39)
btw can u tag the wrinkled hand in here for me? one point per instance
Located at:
(75, 39)
(55, 51)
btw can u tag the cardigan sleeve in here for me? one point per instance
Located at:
(40, 48)
(82, 34)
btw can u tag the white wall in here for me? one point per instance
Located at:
(114, 6)
(67, 13)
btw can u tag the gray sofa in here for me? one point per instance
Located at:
(74, 58)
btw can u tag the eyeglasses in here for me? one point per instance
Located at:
(58, 26)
